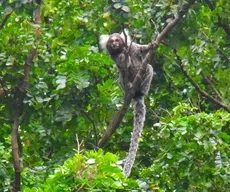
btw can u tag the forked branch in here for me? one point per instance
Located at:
(198, 88)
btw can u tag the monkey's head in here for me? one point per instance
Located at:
(115, 44)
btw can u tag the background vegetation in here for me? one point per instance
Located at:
(59, 91)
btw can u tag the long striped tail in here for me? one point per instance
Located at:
(139, 118)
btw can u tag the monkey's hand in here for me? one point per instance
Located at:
(121, 58)
(153, 45)
(129, 85)
(121, 62)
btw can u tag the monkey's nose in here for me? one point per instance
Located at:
(115, 46)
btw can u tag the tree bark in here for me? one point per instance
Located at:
(15, 137)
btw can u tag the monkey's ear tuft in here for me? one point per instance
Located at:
(103, 41)
(129, 40)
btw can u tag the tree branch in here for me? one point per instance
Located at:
(208, 80)
(115, 122)
(15, 137)
(93, 125)
(3, 90)
(197, 87)
(172, 24)
(4, 20)
(137, 81)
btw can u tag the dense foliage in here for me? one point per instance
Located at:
(71, 93)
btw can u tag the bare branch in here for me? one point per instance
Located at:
(4, 20)
(172, 24)
(211, 85)
(114, 124)
(3, 90)
(93, 124)
(197, 87)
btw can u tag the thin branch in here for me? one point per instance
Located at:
(79, 144)
(4, 20)
(98, 42)
(3, 90)
(137, 81)
(211, 85)
(93, 124)
(81, 188)
(197, 87)
(224, 55)
(172, 24)
(114, 124)
(220, 21)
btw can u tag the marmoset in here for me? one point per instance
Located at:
(129, 57)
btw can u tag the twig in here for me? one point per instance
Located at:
(197, 87)
(115, 122)
(79, 144)
(4, 20)
(123, 30)
(3, 90)
(137, 81)
(172, 24)
(81, 188)
(211, 85)
(93, 124)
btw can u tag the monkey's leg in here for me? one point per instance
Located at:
(121, 82)
(147, 79)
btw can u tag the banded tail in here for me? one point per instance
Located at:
(139, 118)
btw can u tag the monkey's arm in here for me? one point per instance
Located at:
(144, 49)
(123, 65)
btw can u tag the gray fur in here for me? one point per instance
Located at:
(128, 58)
(139, 118)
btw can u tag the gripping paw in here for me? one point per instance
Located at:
(130, 85)
(153, 45)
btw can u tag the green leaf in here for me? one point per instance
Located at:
(82, 81)
(61, 82)
(125, 8)
(63, 114)
(169, 155)
(117, 5)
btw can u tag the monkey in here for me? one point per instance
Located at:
(128, 57)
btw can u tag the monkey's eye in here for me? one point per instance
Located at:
(116, 40)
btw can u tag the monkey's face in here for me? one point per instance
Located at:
(115, 44)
